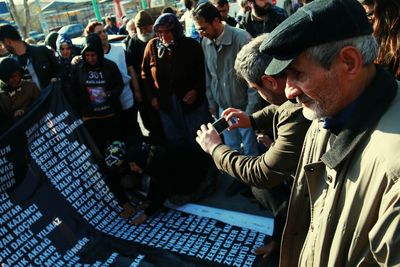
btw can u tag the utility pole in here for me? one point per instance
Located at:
(96, 10)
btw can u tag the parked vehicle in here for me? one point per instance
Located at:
(73, 30)
(112, 39)
(37, 36)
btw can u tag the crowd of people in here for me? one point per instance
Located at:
(309, 91)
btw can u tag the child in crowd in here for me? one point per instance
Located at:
(15, 94)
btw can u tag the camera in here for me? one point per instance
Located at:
(221, 124)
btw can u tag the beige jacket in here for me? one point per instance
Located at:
(279, 163)
(345, 206)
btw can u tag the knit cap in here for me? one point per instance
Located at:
(143, 18)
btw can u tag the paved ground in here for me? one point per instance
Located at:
(239, 202)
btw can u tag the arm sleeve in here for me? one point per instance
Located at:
(264, 118)
(275, 165)
(146, 74)
(198, 69)
(115, 88)
(55, 66)
(384, 236)
(211, 102)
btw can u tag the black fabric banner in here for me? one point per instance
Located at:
(56, 209)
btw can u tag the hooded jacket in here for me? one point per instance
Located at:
(13, 99)
(96, 88)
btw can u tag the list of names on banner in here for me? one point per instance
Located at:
(19, 246)
(7, 179)
(71, 169)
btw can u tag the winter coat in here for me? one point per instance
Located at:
(345, 201)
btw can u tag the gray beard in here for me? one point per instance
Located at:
(146, 37)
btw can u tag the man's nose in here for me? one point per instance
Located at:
(292, 91)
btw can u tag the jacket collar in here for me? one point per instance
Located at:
(373, 103)
(3, 87)
(226, 38)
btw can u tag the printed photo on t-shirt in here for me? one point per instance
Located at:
(97, 97)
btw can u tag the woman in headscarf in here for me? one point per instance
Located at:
(174, 77)
(65, 51)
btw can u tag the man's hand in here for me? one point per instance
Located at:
(76, 60)
(242, 120)
(208, 138)
(138, 96)
(190, 97)
(139, 219)
(264, 139)
(128, 211)
(154, 103)
(268, 249)
(214, 112)
(19, 113)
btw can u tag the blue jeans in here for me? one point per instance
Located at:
(234, 138)
(180, 127)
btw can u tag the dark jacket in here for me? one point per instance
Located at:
(135, 51)
(13, 99)
(231, 21)
(44, 63)
(256, 27)
(20, 99)
(80, 73)
(174, 74)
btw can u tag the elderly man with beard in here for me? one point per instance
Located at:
(345, 201)
(262, 18)
(135, 52)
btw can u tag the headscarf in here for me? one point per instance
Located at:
(63, 38)
(172, 23)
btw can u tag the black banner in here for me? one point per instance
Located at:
(56, 209)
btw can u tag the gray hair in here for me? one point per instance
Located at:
(250, 63)
(325, 54)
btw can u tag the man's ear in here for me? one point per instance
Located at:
(350, 60)
(216, 21)
(269, 82)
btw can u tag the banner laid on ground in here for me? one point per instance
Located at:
(56, 209)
